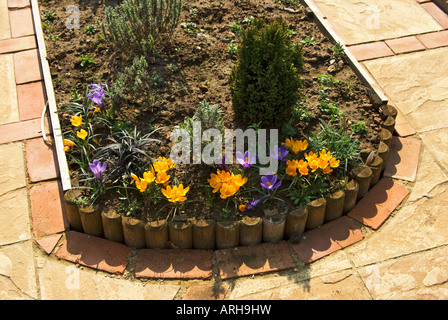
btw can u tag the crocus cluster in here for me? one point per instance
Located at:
(296, 145)
(226, 183)
(323, 161)
(77, 122)
(157, 173)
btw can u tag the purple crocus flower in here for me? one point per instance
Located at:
(246, 160)
(97, 97)
(97, 168)
(98, 86)
(254, 203)
(269, 182)
(280, 153)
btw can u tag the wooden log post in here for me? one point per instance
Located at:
(112, 224)
(156, 234)
(72, 210)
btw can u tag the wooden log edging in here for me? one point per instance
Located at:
(182, 234)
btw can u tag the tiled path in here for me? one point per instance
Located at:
(386, 248)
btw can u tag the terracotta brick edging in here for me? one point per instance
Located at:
(407, 44)
(52, 232)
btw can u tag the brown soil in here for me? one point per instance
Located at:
(204, 68)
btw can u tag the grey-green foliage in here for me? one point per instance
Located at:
(209, 116)
(141, 26)
(340, 142)
(134, 79)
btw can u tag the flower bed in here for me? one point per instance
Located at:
(120, 109)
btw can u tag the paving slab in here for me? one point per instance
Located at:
(379, 203)
(48, 243)
(421, 276)
(435, 140)
(94, 252)
(47, 211)
(14, 4)
(437, 13)
(174, 264)
(12, 175)
(434, 39)
(18, 44)
(417, 89)
(369, 51)
(27, 66)
(403, 159)
(215, 291)
(256, 285)
(249, 260)
(417, 226)
(326, 239)
(21, 22)
(402, 126)
(429, 175)
(14, 217)
(9, 111)
(344, 285)
(23, 130)
(373, 20)
(62, 280)
(5, 29)
(40, 160)
(17, 272)
(31, 99)
(405, 44)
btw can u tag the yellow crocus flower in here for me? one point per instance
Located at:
(176, 193)
(82, 134)
(76, 120)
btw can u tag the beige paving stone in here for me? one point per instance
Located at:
(419, 276)
(344, 285)
(17, 275)
(256, 286)
(371, 20)
(436, 140)
(429, 175)
(419, 90)
(417, 226)
(61, 280)
(14, 217)
(5, 29)
(12, 175)
(9, 109)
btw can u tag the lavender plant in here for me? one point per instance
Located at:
(141, 26)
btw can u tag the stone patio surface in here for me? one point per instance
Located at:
(402, 253)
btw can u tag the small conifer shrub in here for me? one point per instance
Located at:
(265, 81)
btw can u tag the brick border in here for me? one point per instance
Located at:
(52, 232)
(407, 44)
